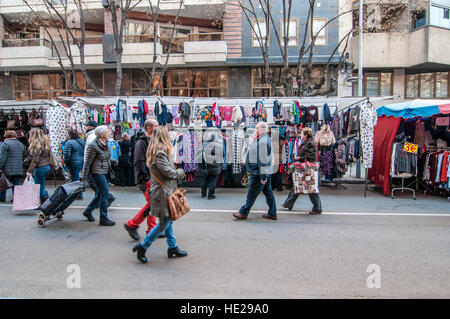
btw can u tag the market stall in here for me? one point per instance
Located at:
(411, 142)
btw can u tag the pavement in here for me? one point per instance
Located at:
(399, 247)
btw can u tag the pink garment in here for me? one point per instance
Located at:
(226, 113)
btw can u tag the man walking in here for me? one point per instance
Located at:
(142, 178)
(259, 164)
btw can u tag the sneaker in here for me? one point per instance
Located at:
(212, 197)
(284, 207)
(89, 217)
(106, 222)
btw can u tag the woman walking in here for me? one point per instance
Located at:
(74, 154)
(162, 171)
(41, 159)
(97, 164)
(306, 152)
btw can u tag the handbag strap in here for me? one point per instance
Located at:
(162, 184)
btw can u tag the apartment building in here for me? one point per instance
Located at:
(404, 54)
(213, 53)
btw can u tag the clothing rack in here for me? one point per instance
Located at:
(407, 188)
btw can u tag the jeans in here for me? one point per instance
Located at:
(210, 183)
(75, 172)
(102, 196)
(254, 189)
(315, 200)
(15, 180)
(40, 173)
(155, 232)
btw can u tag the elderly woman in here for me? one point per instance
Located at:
(212, 160)
(163, 175)
(97, 164)
(307, 152)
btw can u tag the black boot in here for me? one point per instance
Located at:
(140, 253)
(176, 251)
(131, 231)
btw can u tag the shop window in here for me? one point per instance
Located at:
(427, 85)
(260, 33)
(293, 32)
(385, 84)
(97, 78)
(442, 84)
(178, 78)
(371, 84)
(22, 87)
(412, 85)
(322, 35)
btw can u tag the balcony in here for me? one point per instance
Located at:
(194, 48)
(404, 50)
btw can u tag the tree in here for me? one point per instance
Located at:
(283, 81)
(58, 19)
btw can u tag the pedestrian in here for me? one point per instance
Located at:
(89, 138)
(259, 164)
(74, 154)
(307, 152)
(42, 159)
(212, 160)
(125, 166)
(90, 134)
(142, 178)
(162, 171)
(11, 160)
(97, 164)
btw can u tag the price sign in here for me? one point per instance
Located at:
(411, 148)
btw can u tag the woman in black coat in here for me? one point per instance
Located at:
(307, 152)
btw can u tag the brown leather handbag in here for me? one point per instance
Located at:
(177, 201)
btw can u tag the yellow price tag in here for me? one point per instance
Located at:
(411, 148)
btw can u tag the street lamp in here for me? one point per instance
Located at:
(360, 50)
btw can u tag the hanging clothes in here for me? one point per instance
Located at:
(57, 125)
(368, 118)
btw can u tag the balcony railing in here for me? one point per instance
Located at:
(177, 42)
(33, 42)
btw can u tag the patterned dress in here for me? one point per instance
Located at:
(368, 118)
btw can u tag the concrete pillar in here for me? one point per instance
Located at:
(399, 83)
(2, 29)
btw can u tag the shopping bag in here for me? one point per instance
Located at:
(5, 184)
(306, 179)
(26, 196)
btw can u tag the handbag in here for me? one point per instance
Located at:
(5, 184)
(26, 196)
(177, 202)
(306, 178)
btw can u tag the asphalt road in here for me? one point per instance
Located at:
(298, 256)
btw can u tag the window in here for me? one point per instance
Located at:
(442, 84)
(427, 85)
(197, 83)
(375, 84)
(419, 19)
(260, 33)
(293, 32)
(412, 86)
(446, 14)
(320, 30)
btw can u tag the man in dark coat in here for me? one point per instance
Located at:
(259, 164)
(142, 179)
(11, 160)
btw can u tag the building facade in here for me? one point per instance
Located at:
(405, 56)
(213, 51)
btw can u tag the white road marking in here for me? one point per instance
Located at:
(205, 210)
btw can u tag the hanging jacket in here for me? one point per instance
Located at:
(326, 113)
(277, 110)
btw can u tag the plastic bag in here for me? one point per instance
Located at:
(5, 184)
(26, 196)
